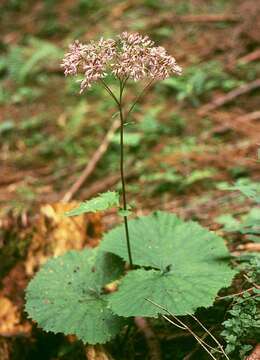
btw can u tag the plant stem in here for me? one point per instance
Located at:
(109, 91)
(122, 83)
(123, 175)
(138, 97)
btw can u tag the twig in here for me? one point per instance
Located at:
(174, 323)
(152, 341)
(254, 55)
(255, 355)
(211, 335)
(254, 115)
(205, 18)
(94, 352)
(100, 186)
(105, 183)
(196, 348)
(243, 89)
(250, 290)
(242, 124)
(250, 247)
(90, 167)
(202, 343)
(182, 325)
(174, 336)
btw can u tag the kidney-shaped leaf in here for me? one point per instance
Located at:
(66, 295)
(162, 239)
(179, 292)
(189, 262)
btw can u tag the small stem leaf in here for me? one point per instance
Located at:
(102, 202)
(117, 113)
(66, 295)
(127, 212)
(124, 213)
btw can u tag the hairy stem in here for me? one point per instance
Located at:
(122, 122)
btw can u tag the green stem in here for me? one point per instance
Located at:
(123, 175)
(138, 97)
(122, 83)
(109, 91)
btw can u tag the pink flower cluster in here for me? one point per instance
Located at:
(130, 56)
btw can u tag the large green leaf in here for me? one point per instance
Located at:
(162, 239)
(102, 202)
(189, 266)
(179, 292)
(66, 295)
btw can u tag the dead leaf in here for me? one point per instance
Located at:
(255, 355)
(5, 351)
(10, 321)
(97, 352)
(250, 247)
(55, 233)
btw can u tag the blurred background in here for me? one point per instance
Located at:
(190, 136)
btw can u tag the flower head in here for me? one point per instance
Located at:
(91, 60)
(130, 56)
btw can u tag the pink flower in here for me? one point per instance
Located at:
(91, 60)
(130, 56)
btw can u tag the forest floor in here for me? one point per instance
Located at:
(190, 137)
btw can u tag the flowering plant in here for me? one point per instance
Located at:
(130, 56)
(174, 266)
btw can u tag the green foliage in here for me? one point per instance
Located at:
(200, 80)
(154, 4)
(24, 61)
(6, 126)
(168, 176)
(178, 265)
(145, 131)
(13, 5)
(102, 202)
(188, 263)
(67, 295)
(246, 187)
(169, 179)
(198, 175)
(25, 94)
(87, 5)
(131, 139)
(184, 269)
(150, 126)
(242, 325)
(77, 117)
(253, 270)
(248, 224)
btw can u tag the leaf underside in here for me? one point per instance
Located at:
(102, 202)
(188, 266)
(66, 295)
